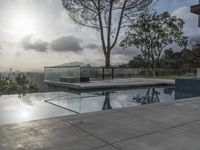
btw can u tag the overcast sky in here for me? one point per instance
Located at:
(38, 33)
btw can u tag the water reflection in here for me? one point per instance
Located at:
(168, 90)
(29, 107)
(106, 104)
(21, 95)
(26, 107)
(89, 101)
(152, 96)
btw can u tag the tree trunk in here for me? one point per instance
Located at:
(107, 60)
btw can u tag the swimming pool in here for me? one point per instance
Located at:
(89, 101)
(15, 109)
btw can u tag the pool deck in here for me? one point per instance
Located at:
(119, 83)
(164, 126)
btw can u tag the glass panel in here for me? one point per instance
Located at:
(93, 73)
(68, 101)
(86, 74)
(62, 74)
(96, 73)
(107, 73)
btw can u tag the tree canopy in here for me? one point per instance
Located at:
(184, 59)
(154, 33)
(17, 85)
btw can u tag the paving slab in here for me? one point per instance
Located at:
(172, 139)
(50, 135)
(107, 147)
(119, 126)
(192, 127)
(173, 114)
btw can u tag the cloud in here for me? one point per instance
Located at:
(193, 40)
(0, 49)
(117, 50)
(172, 5)
(18, 54)
(30, 43)
(130, 51)
(191, 20)
(92, 46)
(67, 43)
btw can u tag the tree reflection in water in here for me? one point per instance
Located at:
(168, 90)
(106, 104)
(21, 95)
(152, 96)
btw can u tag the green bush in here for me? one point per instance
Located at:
(16, 85)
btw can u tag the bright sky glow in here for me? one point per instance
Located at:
(23, 24)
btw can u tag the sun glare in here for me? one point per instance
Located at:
(23, 24)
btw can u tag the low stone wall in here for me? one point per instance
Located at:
(187, 85)
(186, 88)
(198, 73)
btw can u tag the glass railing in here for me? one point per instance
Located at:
(94, 73)
(147, 73)
(78, 74)
(62, 74)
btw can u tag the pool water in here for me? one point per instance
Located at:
(15, 109)
(109, 99)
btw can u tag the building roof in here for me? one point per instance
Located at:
(195, 9)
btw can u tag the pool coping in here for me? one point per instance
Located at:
(119, 83)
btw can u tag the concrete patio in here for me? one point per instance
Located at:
(164, 126)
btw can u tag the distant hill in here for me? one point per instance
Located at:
(74, 64)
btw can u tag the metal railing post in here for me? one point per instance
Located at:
(103, 74)
(112, 73)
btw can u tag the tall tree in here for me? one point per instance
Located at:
(106, 16)
(154, 33)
